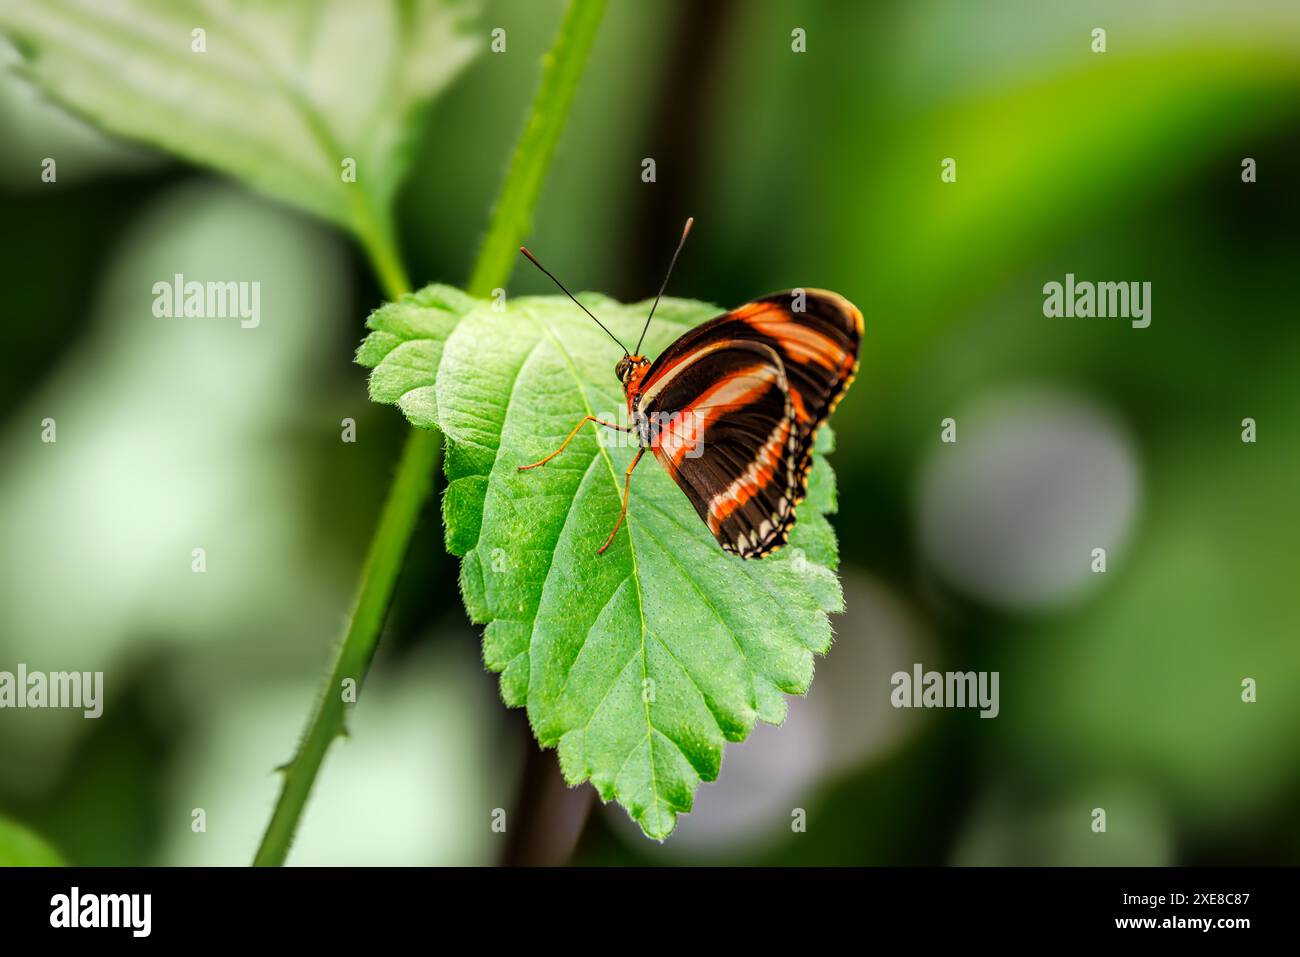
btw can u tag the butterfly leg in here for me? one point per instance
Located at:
(590, 418)
(627, 487)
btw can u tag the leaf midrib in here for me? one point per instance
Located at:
(317, 125)
(635, 575)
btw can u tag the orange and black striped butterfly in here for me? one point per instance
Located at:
(731, 408)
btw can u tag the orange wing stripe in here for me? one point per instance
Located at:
(683, 433)
(759, 474)
(800, 343)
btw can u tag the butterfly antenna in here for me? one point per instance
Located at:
(686, 231)
(533, 259)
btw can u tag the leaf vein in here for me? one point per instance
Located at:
(640, 599)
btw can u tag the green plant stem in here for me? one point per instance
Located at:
(386, 262)
(410, 488)
(511, 216)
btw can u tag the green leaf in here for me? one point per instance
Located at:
(637, 665)
(19, 847)
(405, 346)
(283, 93)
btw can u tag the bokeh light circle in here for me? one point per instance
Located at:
(1011, 512)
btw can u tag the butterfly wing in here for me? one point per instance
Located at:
(723, 427)
(737, 402)
(817, 337)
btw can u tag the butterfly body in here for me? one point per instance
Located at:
(731, 409)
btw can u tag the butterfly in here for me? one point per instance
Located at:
(732, 407)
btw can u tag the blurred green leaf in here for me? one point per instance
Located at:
(19, 847)
(69, 516)
(637, 665)
(279, 97)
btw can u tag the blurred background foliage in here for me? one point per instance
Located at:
(1119, 691)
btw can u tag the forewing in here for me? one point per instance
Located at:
(815, 333)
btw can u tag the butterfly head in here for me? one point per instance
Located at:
(630, 367)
